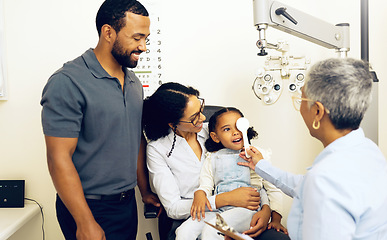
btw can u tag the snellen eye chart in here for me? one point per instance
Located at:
(149, 67)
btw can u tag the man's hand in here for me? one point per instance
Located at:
(90, 231)
(151, 198)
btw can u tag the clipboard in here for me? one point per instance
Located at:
(226, 232)
(222, 226)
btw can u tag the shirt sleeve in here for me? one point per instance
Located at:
(206, 177)
(283, 180)
(275, 197)
(62, 107)
(274, 194)
(165, 185)
(264, 197)
(207, 182)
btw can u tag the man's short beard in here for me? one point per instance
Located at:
(121, 56)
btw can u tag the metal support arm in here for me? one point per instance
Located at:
(290, 20)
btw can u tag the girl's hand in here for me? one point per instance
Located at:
(199, 205)
(278, 226)
(276, 222)
(255, 157)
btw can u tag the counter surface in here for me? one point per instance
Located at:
(12, 219)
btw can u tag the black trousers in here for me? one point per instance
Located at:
(168, 226)
(118, 218)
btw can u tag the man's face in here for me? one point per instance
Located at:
(131, 40)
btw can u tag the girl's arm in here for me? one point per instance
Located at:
(199, 205)
(205, 189)
(276, 222)
(206, 179)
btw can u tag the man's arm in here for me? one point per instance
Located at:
(148, 197)
(68, 185)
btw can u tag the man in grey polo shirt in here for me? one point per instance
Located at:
(91, 119)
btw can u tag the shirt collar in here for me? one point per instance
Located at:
(96, 69)
(351, 139)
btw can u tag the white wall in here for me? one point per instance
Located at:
(207, 44)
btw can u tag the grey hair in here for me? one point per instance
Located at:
(343, 86)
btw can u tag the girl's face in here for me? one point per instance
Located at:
(193, 118)
(226, 131)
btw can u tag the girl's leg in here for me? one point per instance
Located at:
(191, 229)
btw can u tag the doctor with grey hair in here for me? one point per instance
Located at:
(343, 195)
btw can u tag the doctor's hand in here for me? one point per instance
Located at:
(255, 157)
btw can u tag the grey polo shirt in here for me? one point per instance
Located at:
(81, 100)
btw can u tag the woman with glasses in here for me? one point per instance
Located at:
(173, 122)
(343, 195)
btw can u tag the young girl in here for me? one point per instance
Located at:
(221, 173)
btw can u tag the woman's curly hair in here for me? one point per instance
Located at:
(212, 146)
(166, 106)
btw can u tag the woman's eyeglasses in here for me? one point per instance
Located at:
(196, 117)
(297, 103)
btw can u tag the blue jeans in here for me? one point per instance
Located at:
(117, 218)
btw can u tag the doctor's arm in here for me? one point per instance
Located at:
(148, 197)
(68, 185)
(285, 181)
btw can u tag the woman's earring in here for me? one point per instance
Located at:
(314, 124)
